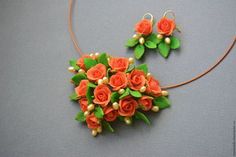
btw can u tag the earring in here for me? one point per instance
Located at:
(143, 37)
(165, 28)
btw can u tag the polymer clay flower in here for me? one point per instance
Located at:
(102, 95)
(83, 104)
(153, 86)
(92, 121)
(110, 114)
(97, 72)
(82, 88)
(144, 27)
(136, 79)
(118, 81)
(145, 102)
(127, 106)
(166, 26)
(119, 64)
(80, 61)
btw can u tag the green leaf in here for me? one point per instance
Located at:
(143, 67)
(164, 49)
(130, 68)
(73, 62)
(89, 63)
(78, 77)
(175, 43)
(115, 97)
(102, 58)
(141, 116)
(107, 126)
(89, 95)
(98, 112)
(162, 102)
(108, 71)
(135, 94)
(92, 85)
(73, 97)
(139, 51)
(150, 45)
(80, 117)
(153, 38)
(131, 42)
(126, 93)
(120, 118)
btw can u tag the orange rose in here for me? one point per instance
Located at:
(92, 121)
(127, 106)
(82, 88)
(166, 26)
(136, 79)
(102, 95)
(118, 80)
(80, 61)
(83, 104)
(145, 102)
(97, 72)
(153, 86)
(119, 64)
(144, 27)
(110, 114)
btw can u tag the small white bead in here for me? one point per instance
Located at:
(96, 54)
(155, 108)
(131, 60)
(115, 106)
(99, 129)
(81, 71)
(141, 40)
(159, 36)
(167, 40)
(164, 93)
(100, 81)
(86, 113)
(148, 74)
(127, 120)
(94, 133)
(90, 107)
(136, 36)
(71, 69)
(142, 89)
(105, 80)
(121, 91)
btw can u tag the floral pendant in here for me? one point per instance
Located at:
(108, 88)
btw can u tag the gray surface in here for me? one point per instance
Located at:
(36, 117)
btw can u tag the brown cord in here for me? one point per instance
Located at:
(206, 71)
(73, 38)
(72, 34)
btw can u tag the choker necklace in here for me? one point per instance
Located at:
(110, 88)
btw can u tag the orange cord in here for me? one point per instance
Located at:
(73, 38)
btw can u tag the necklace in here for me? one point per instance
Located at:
(110, 88)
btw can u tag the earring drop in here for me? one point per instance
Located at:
(165, 28)
(143, 37)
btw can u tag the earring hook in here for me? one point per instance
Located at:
(170, 12)
(150, 16)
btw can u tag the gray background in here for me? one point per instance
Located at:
(37, 118)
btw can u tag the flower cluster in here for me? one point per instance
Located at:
(144, 38)
(109, 88)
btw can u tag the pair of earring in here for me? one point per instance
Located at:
(163, 41)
